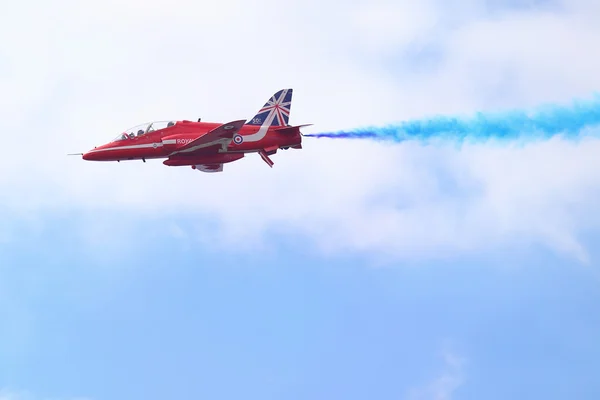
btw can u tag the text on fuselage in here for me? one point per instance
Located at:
(183, 141)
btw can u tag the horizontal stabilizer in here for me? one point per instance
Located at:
(290, 129)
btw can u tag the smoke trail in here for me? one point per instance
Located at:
(544, 123)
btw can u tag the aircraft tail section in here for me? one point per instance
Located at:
(275, 112)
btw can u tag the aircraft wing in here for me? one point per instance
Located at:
(221, 135)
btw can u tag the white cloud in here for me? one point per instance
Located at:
(75, 80)
(383, 26)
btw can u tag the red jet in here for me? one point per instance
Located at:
(206, 146)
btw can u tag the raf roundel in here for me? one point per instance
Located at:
(238, 139)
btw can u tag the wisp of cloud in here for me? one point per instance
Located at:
(543, 123)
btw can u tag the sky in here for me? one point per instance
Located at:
(352, 269)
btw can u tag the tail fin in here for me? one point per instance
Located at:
(276, 111)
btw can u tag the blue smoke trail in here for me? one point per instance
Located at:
(546, 122)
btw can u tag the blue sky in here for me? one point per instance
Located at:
(351, 269)
(171, 320)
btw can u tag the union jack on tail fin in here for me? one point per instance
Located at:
(276, 111)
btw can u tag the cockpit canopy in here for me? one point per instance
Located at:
(143, 129)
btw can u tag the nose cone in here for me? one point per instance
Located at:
(90, 156)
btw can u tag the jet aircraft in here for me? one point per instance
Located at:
(206, 146)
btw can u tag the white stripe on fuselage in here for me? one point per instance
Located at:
(255, 137)
(138, 146)
(130, 147)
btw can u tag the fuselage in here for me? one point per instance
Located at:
(165, 143)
